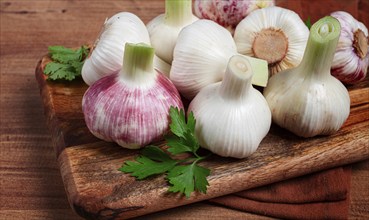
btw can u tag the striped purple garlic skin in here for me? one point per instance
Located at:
(228, 13)
(351, 60)
(131, 116)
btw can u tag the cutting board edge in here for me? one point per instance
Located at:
(49, 110)
(81, 202)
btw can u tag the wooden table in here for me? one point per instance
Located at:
(31, 185)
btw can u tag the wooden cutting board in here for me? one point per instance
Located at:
(97, 190)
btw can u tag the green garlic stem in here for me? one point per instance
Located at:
(138, 60)
(321, 47)
(178, 12)
(237, 78)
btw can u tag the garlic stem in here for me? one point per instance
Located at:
(237, 79)
(137, 62)
(321, 46)
(178, 12)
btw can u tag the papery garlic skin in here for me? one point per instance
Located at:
(106, 56)
(307, 114)
(307, 100)
(284, 49)
(228, 13)
(164, 28)
(131, 106)
(200, 56)
(351, 60)
(232, 117)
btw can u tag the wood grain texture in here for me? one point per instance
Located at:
(359, 205)
(31, 186)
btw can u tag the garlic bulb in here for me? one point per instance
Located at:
(107, 54)
(131, 107)
(201, 55)
(165, 28)
(274, 34)
(307, 99)
(351, 60)
(231, 116)
(228, 13)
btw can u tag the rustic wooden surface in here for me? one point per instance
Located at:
(96, 188)
(31, 186)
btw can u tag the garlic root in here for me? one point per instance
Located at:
(274, 34)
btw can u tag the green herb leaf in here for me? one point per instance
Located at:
(155, 153)
(191, 122)
(188, 178)
(185, 176)
(178, 123)
(66, 63)
(184, 139)
(308, 23)
(145, 167)
(59, 71)
(178, 145)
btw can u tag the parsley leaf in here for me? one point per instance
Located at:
(191, 122)
(188, 178)
(178, 124)
(178, 145)
(66, 63)
(308, 23)
(184, 176)
(155, 153)
(153, 161)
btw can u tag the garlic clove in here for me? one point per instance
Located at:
(231, 116)
(306, 99)
(274, 34)
(201, 56)
(131, 107)
(351, 60)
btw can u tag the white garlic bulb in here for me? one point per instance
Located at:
(274, 34)
(164, 28)
(107, 54)
(232, 117)
(351, 60)
(131, 106)
(201, 55)
(307, 99)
